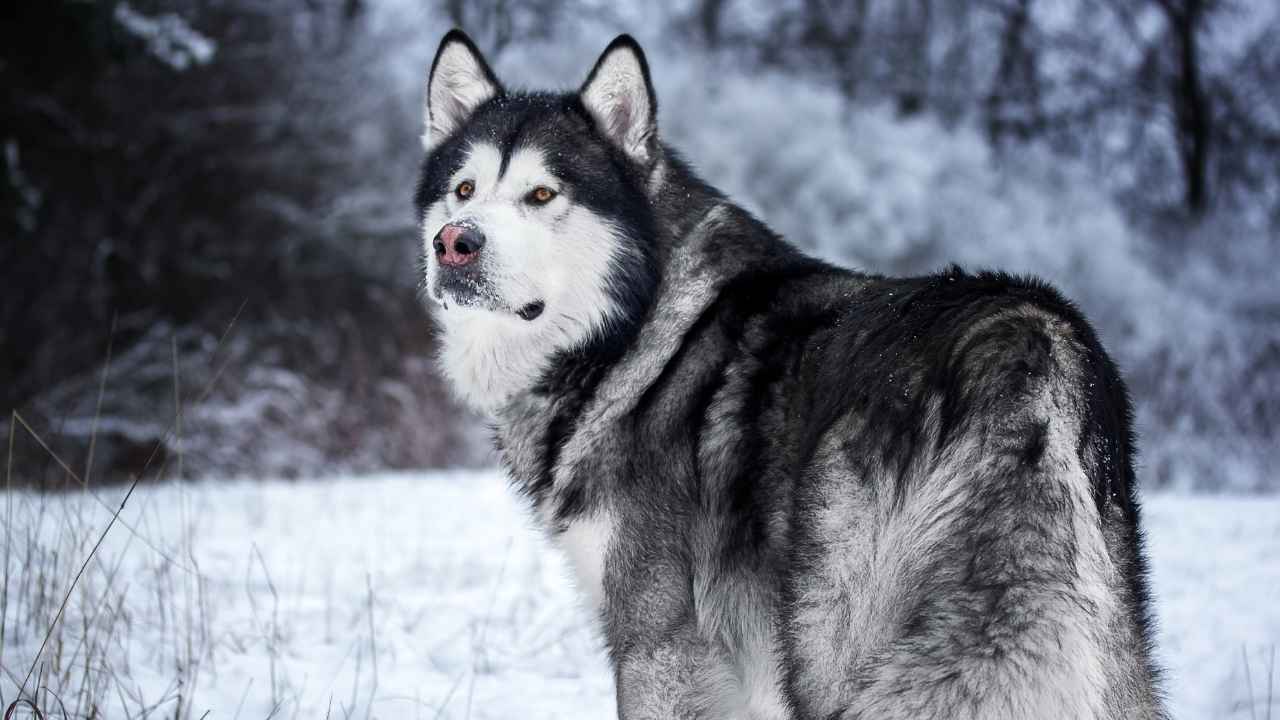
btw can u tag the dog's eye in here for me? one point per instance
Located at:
(541, 195)
(464, 189)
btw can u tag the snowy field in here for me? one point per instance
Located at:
(430, 596)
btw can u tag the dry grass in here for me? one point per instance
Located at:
(133, 631)
(58, 588)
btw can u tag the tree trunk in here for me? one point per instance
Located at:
(914, 28)
(710, 15)
(1190, 102)
(1016, 80)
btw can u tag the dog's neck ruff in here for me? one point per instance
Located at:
(492, 358)
(488, 357)
(687, 287)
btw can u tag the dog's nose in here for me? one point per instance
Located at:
(457, 245)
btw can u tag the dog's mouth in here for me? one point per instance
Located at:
(465, 288)
(531, 311)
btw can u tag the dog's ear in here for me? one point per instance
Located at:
(619, 95)
(459, 82)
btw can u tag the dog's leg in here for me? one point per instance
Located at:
(676, 677)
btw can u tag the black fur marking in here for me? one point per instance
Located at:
(1033, 450)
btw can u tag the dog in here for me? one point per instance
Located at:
(786, 489)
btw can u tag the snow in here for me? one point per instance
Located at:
(1217, 585)
(430, 595)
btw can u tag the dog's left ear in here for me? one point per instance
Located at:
(619, 95)
(460, 81)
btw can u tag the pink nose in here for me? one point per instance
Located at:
(457, 245)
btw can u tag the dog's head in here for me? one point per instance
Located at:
(536, 221)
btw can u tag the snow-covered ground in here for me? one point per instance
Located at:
(430, 596)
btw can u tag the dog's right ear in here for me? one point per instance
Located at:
(460, 81)
(619, 95)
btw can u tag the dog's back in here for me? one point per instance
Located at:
(965, 513)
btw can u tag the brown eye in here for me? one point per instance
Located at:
(464, 189)
(541, 195)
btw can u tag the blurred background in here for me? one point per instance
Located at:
(208, 273)
(205, 204)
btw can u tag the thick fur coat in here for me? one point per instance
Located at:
(787, 489)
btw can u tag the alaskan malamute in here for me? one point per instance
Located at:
(787, 489)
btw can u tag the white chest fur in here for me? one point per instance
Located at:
(586, 543)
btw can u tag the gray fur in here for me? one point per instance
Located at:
(807, 492)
